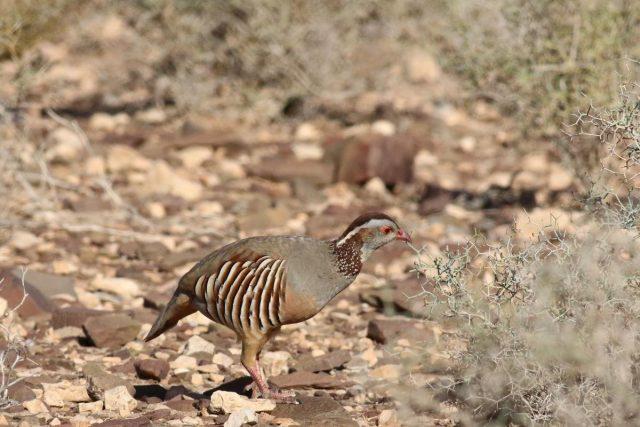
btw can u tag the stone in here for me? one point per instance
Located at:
(388, 418)
(67, 146)
(196, 344)
(422, 67)
(152, 116)
(279, 169)
(35, 406)
(315, 411)
(385, 331)
(390, 158)
(229, 402)
(111, 330)
(23, 240)
(560, 178)
(73, 316)
(307, 151)
(275, 362)
(91, 407)
(264, 219)
(20, 392)
(121, 286)
(307, 132)
(52, 286)
(376, 186)
(37, 304)
(326, 362)
(383, 127)
(301, 379)
(241, 417)
(99, 381)
(107, 122)
(152, 369)
(123, 158)
(163, 179)
(222, 360)
(194, 157)
(387, 372)
(184, 362)
(118, 399)
(57, 394)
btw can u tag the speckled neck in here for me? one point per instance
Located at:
(349, 255)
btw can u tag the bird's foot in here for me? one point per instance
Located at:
(273, 393)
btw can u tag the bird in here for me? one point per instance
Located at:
(256, 285)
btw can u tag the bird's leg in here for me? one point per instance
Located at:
(250, 356)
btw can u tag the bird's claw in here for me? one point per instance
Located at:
(273, 393)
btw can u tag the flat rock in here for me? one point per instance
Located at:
(73, 316)
(315, 411)
(278, 169)
(20, 392)
(120, 400)
(386, 331)
(229, 402)
(326, 362)
(309, 379)
(99, 381)
(50, 285)
(197, 344)
(152, 369)
(37, 304)
(111, 330)
(58, 393)
(241, 417)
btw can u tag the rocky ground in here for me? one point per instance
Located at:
(110, 196)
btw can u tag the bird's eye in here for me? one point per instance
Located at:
(385, 229)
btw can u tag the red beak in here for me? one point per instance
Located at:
(402, 235)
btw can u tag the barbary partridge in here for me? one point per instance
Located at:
(256, 285)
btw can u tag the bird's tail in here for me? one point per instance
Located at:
(180, 306)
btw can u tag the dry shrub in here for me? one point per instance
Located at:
(538, 59)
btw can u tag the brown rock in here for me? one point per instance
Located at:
(100, 381)
(279, 169)
(326, 362)
(388, 157)
(37, 304)
(126, 422)
(73, 316)
(309, 379)
(315, 411)
(386, 331)
(111, 330)
(182, 405)
(154, 369)
(20, 392)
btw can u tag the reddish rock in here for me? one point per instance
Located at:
(315, 411)
(309, 379)
(37, 304)
(279, 169)
(386, 331)
(152, 369)
(326, 362)
(73, 316)
(388, 157)
(111, 330)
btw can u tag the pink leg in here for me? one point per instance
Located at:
(260, 386)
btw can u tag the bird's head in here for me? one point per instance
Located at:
(372, 231)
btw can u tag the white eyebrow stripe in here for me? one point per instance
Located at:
(372, 223)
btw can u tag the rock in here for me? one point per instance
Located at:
(152, 116)
(20, 392)
(73, 316)
(35, 406)
(123, 158)
(66, 147)
(229, 402)
(376, 186)
(275, 362)
(184, 362)
(306, 151)
(387, 372)
(181, 405)
(118, 399)
(111, 330)
(222, 360)
(388, 418)
(383, 127)
(301, 379)
(326, 362)
(240, 417)
(67, 332)
(162, 179)
(92, 407)
(37, 304)
(99, 381)
(316, 411)
(196, 344)
(107, 122)
(153, 369)
(23, 240)
(388, 157)
(264, 219)
(278, 169)
(121, 286)
(560, 178)
(422, 67)
(307, 132)
(385, 331)
(194, 157)
(52, 286)
(58, 393)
